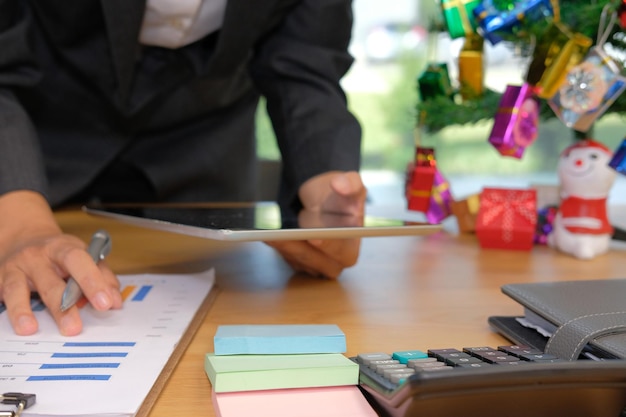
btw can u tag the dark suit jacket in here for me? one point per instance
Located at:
(77, 91)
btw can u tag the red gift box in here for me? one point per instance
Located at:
(507, 218)
(421, 176)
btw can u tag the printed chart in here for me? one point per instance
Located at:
(110, 368)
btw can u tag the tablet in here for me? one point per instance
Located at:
(262, 221)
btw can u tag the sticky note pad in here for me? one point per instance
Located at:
(275, 339)
(229, 373)
(346, 401)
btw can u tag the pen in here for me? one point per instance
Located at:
(99, 247)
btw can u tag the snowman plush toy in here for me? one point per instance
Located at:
(581, 227)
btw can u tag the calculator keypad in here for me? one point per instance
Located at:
(391, 370)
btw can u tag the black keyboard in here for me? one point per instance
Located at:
(509, 381)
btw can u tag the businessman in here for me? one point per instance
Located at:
(154, 100)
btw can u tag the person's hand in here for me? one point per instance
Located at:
(323, 197)
(35, 255)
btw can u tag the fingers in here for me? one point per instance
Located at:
(327, 258)
(347, 183)
(348, 196)
(16, 296)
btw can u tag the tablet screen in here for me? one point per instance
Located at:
(256, 221)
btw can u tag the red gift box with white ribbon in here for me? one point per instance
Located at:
(507, 218)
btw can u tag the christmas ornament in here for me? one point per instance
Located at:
(590, 87)
(557, 51)
(621, 13)
(465, 211)
(420, 178)
(435, 81)
(458, 17)
(618, 161)
(515, 125)
(471, 67)
(581, 227)
(502, 16)
(545, 220)
(439, 206)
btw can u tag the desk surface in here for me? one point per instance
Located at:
(434, 292)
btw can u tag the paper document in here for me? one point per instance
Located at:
(111, 366)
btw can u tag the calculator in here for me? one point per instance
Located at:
(507, 381)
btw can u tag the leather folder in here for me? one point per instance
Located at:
(582, 317)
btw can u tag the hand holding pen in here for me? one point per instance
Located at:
(99, 248)
(41, 260)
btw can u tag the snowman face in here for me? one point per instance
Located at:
(584, 172)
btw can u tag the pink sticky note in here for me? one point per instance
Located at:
(343, 401)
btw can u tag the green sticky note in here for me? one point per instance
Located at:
(263, 372)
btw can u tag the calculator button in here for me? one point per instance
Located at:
(518, 351)
(435, 369)
(380, 369)
(422, 360)
(478, 349)
(366, 358)
(538, 357)
(375, 364)
(437, 353)
(421, 365)
(399, 378)
(454, 358)
(387, 373)
(481, 352)
(512, 363)
(500, 358)
(447, 355)
(406, 355)
(463, 360)
(478, 364)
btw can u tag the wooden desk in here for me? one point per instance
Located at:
(405, 292)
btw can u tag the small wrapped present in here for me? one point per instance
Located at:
(459, 18)
(558, 50)
(516, 123)
(618, 161)
(471, 67)
(440, 201)
(420, 179)
(588, 90)
(507, 218)
(465, 211)
(435, 81)
(496, 16)
(545, 222)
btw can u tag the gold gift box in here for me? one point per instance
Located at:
(471, 67)
(558, 50)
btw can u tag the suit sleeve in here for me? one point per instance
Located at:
(297, 68)
(20, 157)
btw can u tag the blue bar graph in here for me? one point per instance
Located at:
(99, 344)
(69, 378)
(79, 365)
(90, 355)
(142, 293)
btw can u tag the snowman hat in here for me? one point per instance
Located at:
(586, 143)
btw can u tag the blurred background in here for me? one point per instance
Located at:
(392, 45)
